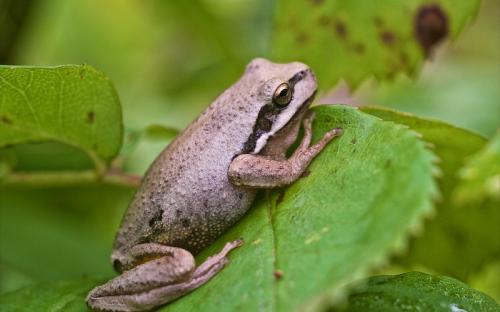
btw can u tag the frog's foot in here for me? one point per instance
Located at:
(261, 171)
(157, 281)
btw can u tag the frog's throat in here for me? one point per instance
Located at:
(281, 122)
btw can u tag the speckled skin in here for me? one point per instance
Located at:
(204, 182)
(186, 199)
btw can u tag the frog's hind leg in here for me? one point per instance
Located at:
(156, 281)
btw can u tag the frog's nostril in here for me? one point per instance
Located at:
(117, 265)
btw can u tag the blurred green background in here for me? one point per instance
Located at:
(168, 60)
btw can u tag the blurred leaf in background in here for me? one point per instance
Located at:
(460, 84)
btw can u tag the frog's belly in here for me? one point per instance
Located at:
(187, 217)
(195, 221)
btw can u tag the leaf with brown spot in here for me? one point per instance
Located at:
(74, 105)
(356, 39)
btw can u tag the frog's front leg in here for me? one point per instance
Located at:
(264, 171)
(156, 275)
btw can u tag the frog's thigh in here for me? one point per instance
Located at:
(157, 281)
(261, 171)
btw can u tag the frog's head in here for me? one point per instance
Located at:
(283, 93)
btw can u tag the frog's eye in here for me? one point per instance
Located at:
(283, 95)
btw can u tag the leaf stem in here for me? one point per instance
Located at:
(65, 178)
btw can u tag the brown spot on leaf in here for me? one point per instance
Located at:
(90, 117)
(387, 37)
(359, 48)
(301, 38)
(340, 29)
(324, 21)
(6, 120)
(378, 21)
(431, 27)
(278, 274)
(403, 57)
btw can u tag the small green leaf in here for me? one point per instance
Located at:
(416, 291)
(74, 105)
(356, 39)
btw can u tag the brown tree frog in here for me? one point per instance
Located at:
(206, 180)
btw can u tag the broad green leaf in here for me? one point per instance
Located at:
(74, 104)
(356, 39)
(459, 239)
(416, 291)
(346, 217)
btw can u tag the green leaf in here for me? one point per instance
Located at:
(459, 240)
(74, 104)
(356, 39)
(416, 291)
(346, 217)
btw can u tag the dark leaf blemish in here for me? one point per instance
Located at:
(378, 21)
(6, 120)
(90, 117)
(387, 37)
(340, 30)
(359, 48)
(430, 27)
(301, 38)
(324, 21)
(278, 274)
(403, 57)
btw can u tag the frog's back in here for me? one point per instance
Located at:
(185, 199)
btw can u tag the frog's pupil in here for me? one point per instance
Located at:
(284, 93)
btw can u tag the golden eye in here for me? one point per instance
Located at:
(283, 95)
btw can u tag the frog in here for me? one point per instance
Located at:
(206, 180)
